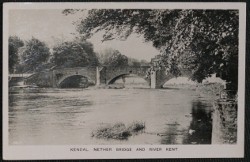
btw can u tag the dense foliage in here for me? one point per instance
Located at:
(34, 55)
(111, 57)
(204, 41)
(14, 44)
(135, 62)
(77, 53)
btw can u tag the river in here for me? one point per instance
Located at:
(68, 116)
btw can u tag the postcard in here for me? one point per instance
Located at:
(123, 80)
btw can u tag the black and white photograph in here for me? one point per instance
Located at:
(120, 80)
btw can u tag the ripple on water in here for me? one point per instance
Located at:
(70, 115)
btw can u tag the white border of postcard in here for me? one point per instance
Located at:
(24, 152)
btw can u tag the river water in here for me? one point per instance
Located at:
(69, 116)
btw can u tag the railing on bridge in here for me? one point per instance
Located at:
(24, 75)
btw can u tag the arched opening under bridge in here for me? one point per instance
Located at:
(75, 81)
(179, 81)
(129, 81)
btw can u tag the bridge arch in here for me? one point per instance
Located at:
(113, 73)
(162, 77)
(59, 75)
(74, 81)
(115, 78)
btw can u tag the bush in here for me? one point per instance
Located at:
(136, 126)
(118, 131)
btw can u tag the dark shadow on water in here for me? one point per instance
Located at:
(171, 134)
(200, 130)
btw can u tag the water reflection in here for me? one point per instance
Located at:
(200, 130)
(173, 135)
(68, 116)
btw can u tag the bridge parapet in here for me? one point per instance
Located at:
(23, 75)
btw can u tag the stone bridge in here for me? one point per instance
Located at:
(100, 75)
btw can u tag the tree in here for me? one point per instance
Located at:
(111, 57)
(14, 44)
(204, 41)
(104, 55)
(35, 54)
(77, 53)
(135, 62)
(118, 60)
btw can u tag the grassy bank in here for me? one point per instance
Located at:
(209, 90)
(212, 90)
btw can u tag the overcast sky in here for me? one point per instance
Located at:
(48, 25)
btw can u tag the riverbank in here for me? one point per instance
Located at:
(211, 90)
(224, 122)
(225, 110)
(224, 113)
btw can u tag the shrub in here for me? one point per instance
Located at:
(118, 130)
(136, 126)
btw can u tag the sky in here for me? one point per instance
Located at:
(49, 25)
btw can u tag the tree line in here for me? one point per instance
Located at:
(35, 56)
(203, 41)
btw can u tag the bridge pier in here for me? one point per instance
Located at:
(153, 79)
(53, 79)
(98, 76)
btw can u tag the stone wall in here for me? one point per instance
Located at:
(224, 122)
